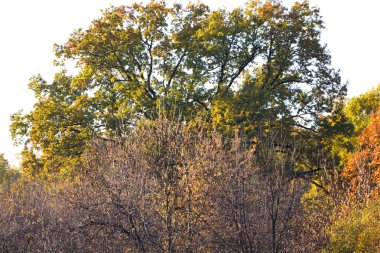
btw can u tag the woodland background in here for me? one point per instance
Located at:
(189, 130)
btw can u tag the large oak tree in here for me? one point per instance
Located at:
(249, 68)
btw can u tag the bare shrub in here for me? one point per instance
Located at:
(35, 218)
(170, 188)
(166, 187)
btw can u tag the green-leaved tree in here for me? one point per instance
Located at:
(250, 68)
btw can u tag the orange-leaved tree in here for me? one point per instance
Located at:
(363, 167)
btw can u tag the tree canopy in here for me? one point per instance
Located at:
(249, 68)
(359, 109)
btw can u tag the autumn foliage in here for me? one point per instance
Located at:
(187, 129)
(363, 167)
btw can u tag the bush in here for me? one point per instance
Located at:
(357, 229)
(167, 187)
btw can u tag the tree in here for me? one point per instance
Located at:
(248, 68)
(7, 174)
(4, 164)
(363, 167)
(349, 122)
(359, 109)
(355, 223)
(4, 168)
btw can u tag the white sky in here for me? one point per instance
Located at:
(30, 28)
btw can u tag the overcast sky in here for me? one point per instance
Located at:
(30, 28)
